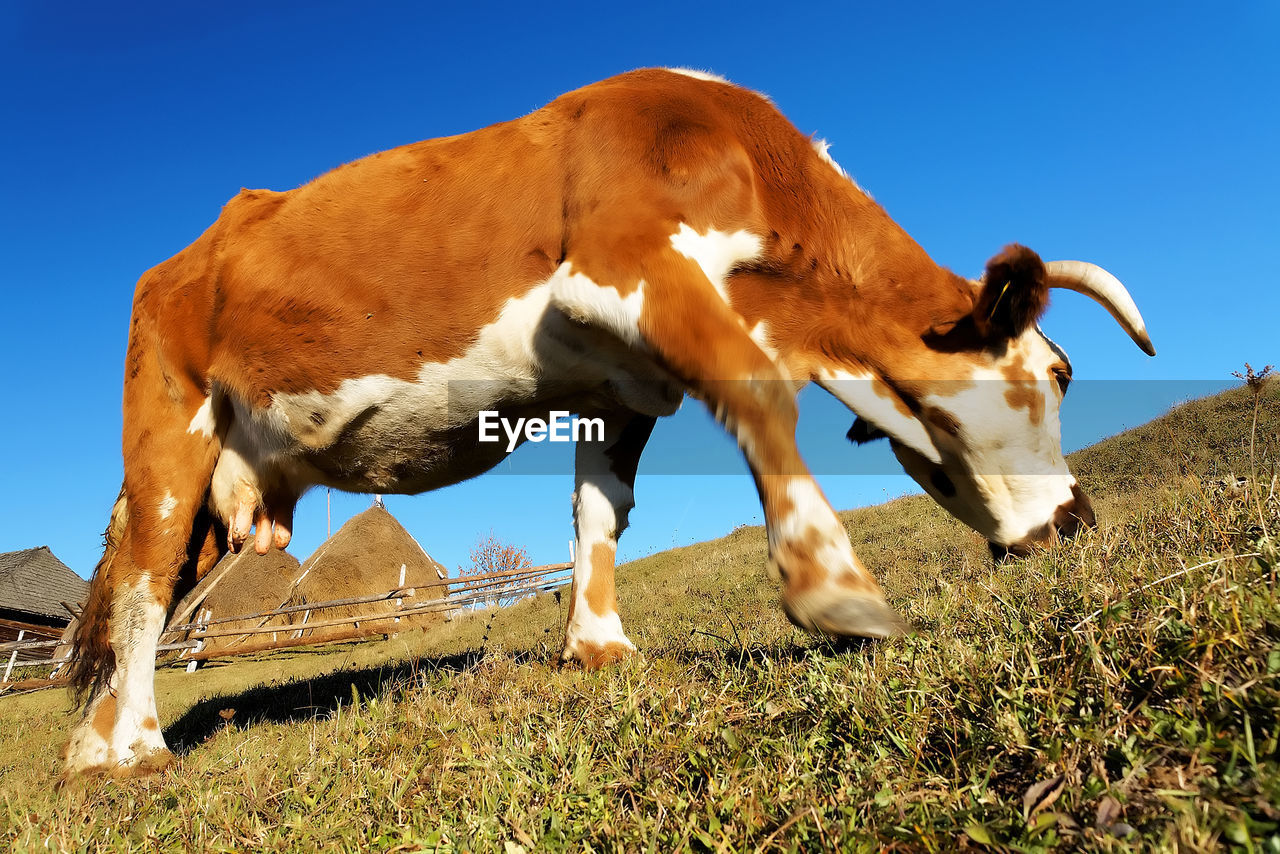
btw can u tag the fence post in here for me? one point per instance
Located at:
(13, 657)
(400, 602)
(202, 616)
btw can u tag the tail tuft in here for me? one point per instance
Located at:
(93, 660)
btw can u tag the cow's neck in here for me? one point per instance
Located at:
(848, 280)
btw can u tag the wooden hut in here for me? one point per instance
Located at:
(35, 590)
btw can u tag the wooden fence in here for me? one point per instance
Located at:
(459, 593)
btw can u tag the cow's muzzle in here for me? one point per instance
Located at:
(1068, 519)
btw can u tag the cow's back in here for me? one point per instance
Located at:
(400, 259)
(384, 264)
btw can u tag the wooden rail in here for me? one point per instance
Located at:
(465, 592)
(466, 585)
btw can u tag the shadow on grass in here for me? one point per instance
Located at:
(307, 699)
(322, 696)
(759, 653)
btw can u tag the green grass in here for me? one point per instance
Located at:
(1134, 672)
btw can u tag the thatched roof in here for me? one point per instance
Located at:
(34, 581)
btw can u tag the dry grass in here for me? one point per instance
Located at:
(1117, 693)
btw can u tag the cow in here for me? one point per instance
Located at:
(656, 234)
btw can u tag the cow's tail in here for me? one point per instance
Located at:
(93, 661)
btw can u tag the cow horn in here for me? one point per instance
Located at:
(1093, 281)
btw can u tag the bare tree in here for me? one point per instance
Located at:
(490, 555)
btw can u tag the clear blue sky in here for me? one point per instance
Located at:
(1141, 136)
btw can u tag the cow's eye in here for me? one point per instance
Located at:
(1063, 377)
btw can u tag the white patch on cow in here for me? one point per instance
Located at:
(167, 505)
(202, 421)
(137, 620)
(501, 363)
(1008, 470)
(699, 75)
(399, 423)
(717, 252)
(598, 305)
(595, 509)
(809, 511)
(857, 390)
(588, 628)
(504, 349)
(760, 335)
(824, 152)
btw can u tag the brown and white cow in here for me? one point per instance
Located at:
(654, 234)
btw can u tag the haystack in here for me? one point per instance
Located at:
(244, 583)
(364, 557)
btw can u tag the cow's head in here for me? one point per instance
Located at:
(970, 397)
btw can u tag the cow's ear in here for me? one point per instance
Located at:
(1014, 294)
(864, 431)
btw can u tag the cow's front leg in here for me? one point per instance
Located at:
(602, 497)
(702, 341)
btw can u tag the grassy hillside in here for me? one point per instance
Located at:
(1117, 693)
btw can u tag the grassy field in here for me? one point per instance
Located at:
(1117, 693)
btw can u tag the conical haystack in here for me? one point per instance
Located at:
(244, 583)
(363, 558)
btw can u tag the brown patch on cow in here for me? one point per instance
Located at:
(601, 596)
(104, 717)
(1075, 514)
(151, 724)
(943, 420)
(799, 569)
(858, 583)
(593, 656)
(1024, 391)
(882, 389)
(775, 496)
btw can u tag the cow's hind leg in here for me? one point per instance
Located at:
(167, 473)
(602, 497)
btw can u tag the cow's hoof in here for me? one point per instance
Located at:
(139, 765)
(594, 656)
(144, 763)
(864, 615)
